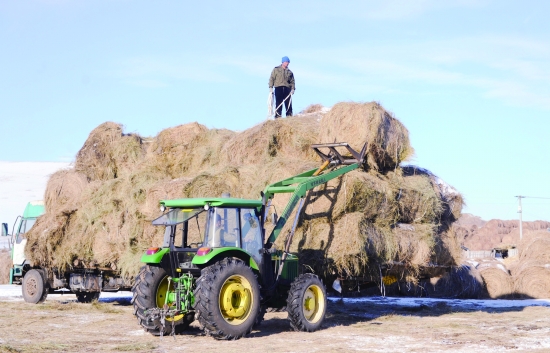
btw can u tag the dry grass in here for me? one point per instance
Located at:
(108, 152)
(430, 327)
(312, 108)
(281, 138)
(359, 123)
(98, 214)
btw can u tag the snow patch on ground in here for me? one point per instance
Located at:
(13, 292)
(463, 303)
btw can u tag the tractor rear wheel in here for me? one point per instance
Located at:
(149, 292)
(34, 288)
(306, 303)
(227, 299)
(87, 297)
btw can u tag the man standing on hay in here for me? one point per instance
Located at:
(283, 81)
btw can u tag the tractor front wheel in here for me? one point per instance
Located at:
(149, 292)
(306, 303)
(34, 288)
(227, 299)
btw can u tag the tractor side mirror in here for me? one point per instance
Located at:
(274, 218)
(5, 229)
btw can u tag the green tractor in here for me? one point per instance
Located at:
(229, 278)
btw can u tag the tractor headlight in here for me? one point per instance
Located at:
(162, 208)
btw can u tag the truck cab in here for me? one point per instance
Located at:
(18, 239)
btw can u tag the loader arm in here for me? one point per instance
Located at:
(300, 184)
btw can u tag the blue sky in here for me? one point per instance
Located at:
(469, 79)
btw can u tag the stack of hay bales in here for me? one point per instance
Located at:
(99, 213)
(531, 273)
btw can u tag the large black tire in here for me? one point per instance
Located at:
(148, 292)
(35, 287)
(306, 303)
(227, 299)
(87, 297)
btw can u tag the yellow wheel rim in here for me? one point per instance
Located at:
(313, 304)
(161, 298)
(236, 299)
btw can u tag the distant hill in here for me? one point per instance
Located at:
(478, 234)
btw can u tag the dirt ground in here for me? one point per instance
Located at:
(67, 326)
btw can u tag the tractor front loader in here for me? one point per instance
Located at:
(229, 279)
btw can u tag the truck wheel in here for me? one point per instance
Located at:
(35, 289)
(306, 303)
(87, 297)
(227, 299)
(149, 292)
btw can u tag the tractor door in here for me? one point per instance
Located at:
(251, 234)
(235, 227)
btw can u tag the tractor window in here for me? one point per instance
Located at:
(195, 230)
(223, 228)
(177, 215)
(251, 233)
(194, 236)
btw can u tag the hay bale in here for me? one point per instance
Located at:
(498, 281)
(187, 150)
(417, 200)
(415, 243)
(64, 191)
(463, 281)
(535, 246)
(312, 108)
(359, 123)
(447, 248)
(108, 152)
(43, 239)
(450, 200)
(163, 190)
(357, 191)
(214, 184)
(532, 279)
(322, 247)
(280, 138)
(496, 276)
(347, 249)
(5, 266)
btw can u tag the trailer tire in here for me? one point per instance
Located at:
(145, 295)
(87, 297)
(35, 287)
(306, 303)
(227, 299)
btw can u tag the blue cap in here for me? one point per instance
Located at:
(285, 59)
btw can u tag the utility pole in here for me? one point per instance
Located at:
(520, 211)
(520, 221)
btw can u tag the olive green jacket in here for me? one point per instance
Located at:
(281, 77)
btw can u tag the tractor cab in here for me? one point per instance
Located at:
(207, 227)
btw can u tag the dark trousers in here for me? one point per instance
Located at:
(281, 93)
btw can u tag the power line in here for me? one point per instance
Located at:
(534, 197)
